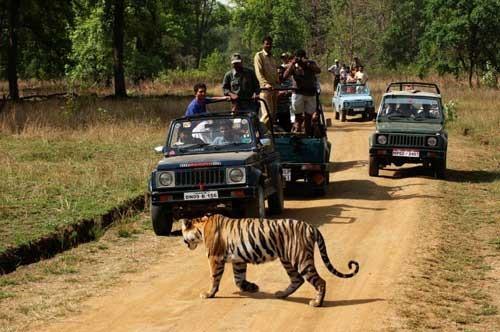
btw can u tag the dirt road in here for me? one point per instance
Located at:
(371, 220)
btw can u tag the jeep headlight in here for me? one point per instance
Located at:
(346, 104)
(235, 175)
(432, 141)
(382, 139)
(166, 179)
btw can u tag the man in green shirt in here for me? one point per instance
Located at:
(241, 85)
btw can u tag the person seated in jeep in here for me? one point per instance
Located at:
(185, 137)
(227, 136)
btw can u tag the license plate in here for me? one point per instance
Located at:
(287, 174)
(358, 109)
(201, 195)
(406, 153)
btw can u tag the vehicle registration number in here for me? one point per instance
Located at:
(287, 174)
(201, 195)
(406, 153)
(358, 109)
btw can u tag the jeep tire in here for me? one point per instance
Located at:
(276, 200)
(256, 207)
(337, 114)
(162, 219)
(439, 167)
(320, 190)
(373, 167)
(344, 116)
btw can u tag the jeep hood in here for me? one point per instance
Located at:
(409, 127)
(212, 159)
(356, 98)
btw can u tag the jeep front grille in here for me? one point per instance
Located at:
(195, 177)
(357, 104)
(407, 140)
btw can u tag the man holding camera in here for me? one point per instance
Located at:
(304, 105)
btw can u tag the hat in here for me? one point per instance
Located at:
(284, 55)
(235, 58)
(336, 60)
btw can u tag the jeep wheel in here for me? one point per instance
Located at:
(366, 116)
(162, 219)
(276, 200)
(373, 166)
(322, 188)
(256, 207)
(344, 116)
(439, 168)
(337, 115)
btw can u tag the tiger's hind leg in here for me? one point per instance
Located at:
(240, 275)
(296, 281)
(216, 269)
(319, 284)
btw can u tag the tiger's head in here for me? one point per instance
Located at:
(192, 231)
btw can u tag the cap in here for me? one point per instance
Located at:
(284, 55)
(336, 60)
(235, 58)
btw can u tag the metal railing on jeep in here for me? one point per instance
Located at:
(404, 86)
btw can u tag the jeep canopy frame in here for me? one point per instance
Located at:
(401, 85)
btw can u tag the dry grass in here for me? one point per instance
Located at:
(455, 283)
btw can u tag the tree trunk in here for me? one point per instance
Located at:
(13, 12)
(118, 32)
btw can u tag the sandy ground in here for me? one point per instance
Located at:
(371, 220)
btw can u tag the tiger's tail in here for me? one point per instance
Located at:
(324, 256)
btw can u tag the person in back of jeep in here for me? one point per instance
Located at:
(199, 104)
(304, 105)
(241, 84)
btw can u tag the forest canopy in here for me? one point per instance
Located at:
(118, 41)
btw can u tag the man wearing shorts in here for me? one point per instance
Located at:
(304, 72)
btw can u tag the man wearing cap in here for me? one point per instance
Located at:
(266, 70)
(335, 70)
(241, 85)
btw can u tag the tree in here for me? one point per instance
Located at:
(13, 20)
(461, 36)
(118, 9)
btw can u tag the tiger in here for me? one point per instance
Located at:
(255, 241)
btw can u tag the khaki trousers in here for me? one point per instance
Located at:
(271, 98)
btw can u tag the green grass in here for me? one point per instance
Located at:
(58, 168)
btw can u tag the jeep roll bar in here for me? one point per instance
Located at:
(413, 84)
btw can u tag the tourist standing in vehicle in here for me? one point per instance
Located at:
(304, 105)
(241, 85)
(343, 73)
(335, 70)
(351, 77)
(266, 71)
(284, 96)
(361, 76)
(199, 104)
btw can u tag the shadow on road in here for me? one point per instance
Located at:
(331, 214)
(338, 166)
(474, 176)
(304, 300)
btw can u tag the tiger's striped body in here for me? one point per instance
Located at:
(255, 241)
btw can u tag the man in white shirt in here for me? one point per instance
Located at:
(335, 70)
(361, 76)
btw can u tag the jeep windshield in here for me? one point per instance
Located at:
(204, 135)
(354, 89)
(411, 109)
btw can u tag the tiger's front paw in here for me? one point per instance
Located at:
(281, 295)
(207, 295)
(315, 303)
(249, 287)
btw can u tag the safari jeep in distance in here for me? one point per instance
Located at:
(353, 99)
(410, 129)
(216, 160)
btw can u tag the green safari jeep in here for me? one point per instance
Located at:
(410, 128)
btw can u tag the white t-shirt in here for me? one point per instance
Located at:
(361, 77)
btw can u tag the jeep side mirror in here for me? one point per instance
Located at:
(159, 149)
